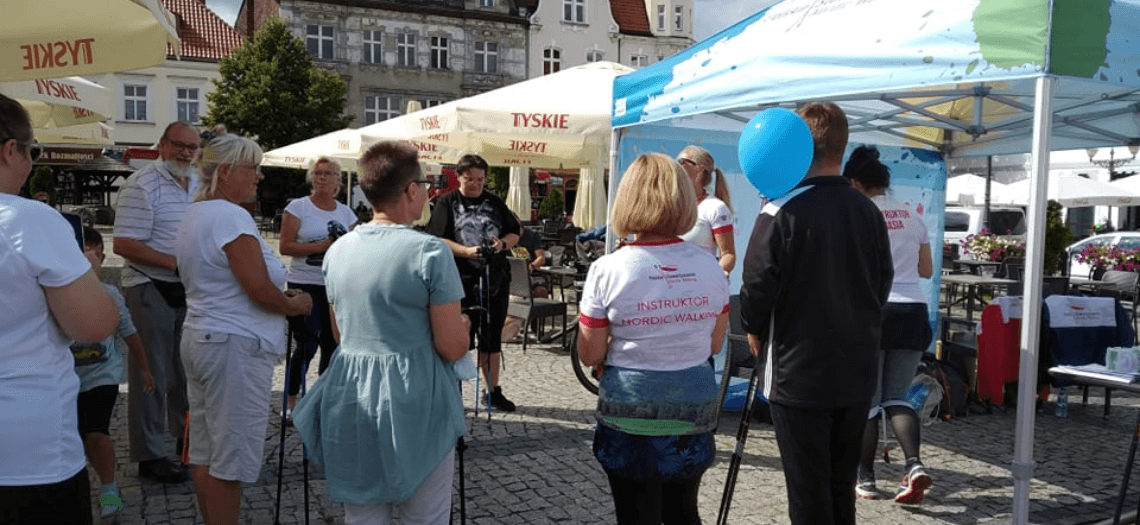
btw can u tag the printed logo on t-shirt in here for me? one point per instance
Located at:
(668, 273)
(87, 354)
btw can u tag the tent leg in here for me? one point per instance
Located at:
(1022, 467)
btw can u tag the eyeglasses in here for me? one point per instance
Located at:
(183, 146)
(684, 161)
(325, 174)
(427, 182)
(33, 148)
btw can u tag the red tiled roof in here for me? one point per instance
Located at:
(204, 35)
(631, 17)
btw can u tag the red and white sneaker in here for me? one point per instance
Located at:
(914, 485)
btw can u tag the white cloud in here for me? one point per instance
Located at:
(226, 9)
(713, 15)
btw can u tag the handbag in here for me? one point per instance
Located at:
(172, 291)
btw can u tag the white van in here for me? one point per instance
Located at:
(963, 221)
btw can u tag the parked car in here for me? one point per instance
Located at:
(1123, 240)
(963, 221)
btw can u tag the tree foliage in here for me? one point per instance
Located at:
(552, 205)
(1057, 238)
(42, 179)
(269, 88)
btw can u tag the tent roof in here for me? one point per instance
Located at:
(949, 75)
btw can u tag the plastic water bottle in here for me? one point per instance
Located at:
(1063, 402)
(916, 395)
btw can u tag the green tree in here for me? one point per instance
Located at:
(498, 180)
(42, 179)
(552, 205)
(269, 88)
(1057, 238)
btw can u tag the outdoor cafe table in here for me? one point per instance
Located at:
(977, 266)
(972, 283)
(1114, 384)
(557, 274)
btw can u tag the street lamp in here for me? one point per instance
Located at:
(1112, 163)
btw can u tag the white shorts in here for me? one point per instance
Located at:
(228, 382)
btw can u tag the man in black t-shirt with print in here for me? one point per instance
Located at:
(467, 219)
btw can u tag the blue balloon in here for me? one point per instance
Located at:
(775, 151)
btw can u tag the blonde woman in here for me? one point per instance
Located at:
(714, 227)
(654, 312)
(235, 326)
(308, 227)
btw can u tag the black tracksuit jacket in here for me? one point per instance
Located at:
(819, 266)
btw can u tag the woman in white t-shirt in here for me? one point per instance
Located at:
(308, 227)
(713, 230)
(235, 326)
(906, 329)
(654, 312)
(48, 297)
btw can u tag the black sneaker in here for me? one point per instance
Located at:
(500, 402)
(162, 470)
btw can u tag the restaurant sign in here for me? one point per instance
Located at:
(68, 156)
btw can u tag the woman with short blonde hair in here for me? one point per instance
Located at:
(309, 226)
(655, 199)
(714, 228)
(653, 313)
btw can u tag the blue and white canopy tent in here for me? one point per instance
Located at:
(936, 78)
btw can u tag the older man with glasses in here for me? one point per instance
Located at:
(151, 205)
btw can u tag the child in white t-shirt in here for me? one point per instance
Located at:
(100, 370)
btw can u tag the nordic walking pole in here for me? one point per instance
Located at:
(304, 450)
(738, 451)
(284, 405)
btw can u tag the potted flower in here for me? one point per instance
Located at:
(989, 247)
(1104, 257)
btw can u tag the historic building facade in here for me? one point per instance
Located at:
(391, 53)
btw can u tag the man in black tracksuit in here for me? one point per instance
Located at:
(818, 271)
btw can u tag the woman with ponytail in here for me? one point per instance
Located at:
(906, 329)
(714, 228)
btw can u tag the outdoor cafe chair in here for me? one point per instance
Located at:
(525, 306)
(1125, 286)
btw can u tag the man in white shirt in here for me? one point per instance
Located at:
(151, 205)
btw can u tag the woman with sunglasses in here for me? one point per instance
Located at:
(714, 228)
(49, 296)
(308, 227)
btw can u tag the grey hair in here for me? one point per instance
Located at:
(322, 160)
(230, 150)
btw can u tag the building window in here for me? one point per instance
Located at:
(319, 41)
(406, 49)
(486, 3)
(638, 61)
(439, 52)
(574, 11)
(551, 61)
(679, 18)
(594, 56)
(487, 57)
(134, 102)
(661, 17)
(373, 51)
(378, 108)
(431, 103)
(186, 101)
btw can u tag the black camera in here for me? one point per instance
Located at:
(487, 248)
(336, 230)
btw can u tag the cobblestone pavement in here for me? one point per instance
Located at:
(535, 465)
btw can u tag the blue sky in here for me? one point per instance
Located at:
(711, 15)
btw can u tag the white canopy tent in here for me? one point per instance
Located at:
(970, 190)
(956, 77)
(1073, 191)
